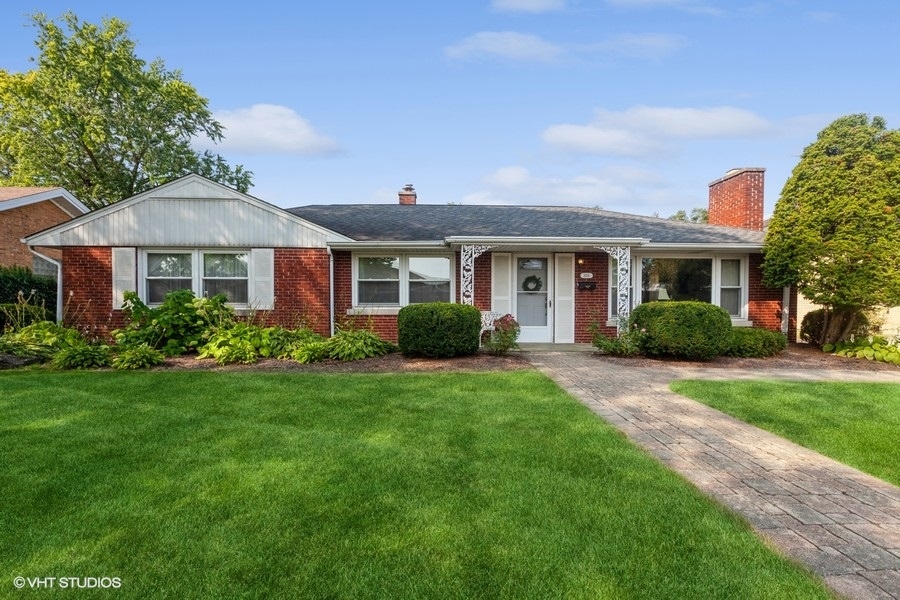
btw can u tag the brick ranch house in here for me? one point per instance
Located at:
(24, 210)
(556, 269)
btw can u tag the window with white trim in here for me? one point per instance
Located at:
(205, 272)
(719, 280)
(401, 279)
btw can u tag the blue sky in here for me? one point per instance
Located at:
(629, 105)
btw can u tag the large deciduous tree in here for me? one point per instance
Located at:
(835, 231)
(99, 121)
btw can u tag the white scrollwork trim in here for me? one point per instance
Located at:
(622, 254)
(469, 252)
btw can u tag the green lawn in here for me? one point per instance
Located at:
(254, 485)
(855, 423)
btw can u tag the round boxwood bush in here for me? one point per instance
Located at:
(438, 329)
(753, 342)
(685, 329)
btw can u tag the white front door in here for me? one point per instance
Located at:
(533, 297)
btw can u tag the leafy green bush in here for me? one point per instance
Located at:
(281, 342)
(311, 352)
(753, 342)
(503, 338)
(42, 339)
(82, 356)
(812, 327)
(357, 344)
(684, 329)
(872, 347)
(438, 329)
(138, 357)
(628, 343)
(40, 290)
(179, 325)
(246, 343)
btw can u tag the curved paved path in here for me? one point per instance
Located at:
(842, 523)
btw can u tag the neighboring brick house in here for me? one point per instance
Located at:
(24, 210)
(556, 269)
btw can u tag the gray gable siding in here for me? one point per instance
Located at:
(421, 222)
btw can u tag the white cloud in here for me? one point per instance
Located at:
(693, 6)
(517, 186)
(508, 177)
(648, 130)
(504, 44)
(823, 16)
(271, 129)
(645, 46)
(533, 6)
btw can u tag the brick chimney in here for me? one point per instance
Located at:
(736, 199)
(407, 194)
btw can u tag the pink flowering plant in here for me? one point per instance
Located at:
(503, 338)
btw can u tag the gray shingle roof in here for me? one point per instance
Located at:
(422, 222)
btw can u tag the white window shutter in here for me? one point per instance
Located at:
(124, 274)
(564, 293)
(262, 278)
(501, 283)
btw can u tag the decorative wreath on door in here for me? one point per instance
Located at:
(532, 283)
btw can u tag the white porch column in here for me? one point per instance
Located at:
(468, 254)
(622, 254)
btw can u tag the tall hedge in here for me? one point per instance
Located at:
(39, 290)
(684, 329)
(438, 329)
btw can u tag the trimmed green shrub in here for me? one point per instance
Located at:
(754, 342)
(684, 329)
(138, 357)
(39, 290)
(812, 327)
(438, 329)
(82, 356)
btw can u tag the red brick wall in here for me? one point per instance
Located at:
(302, 289)
(87, 291)
(736, 200)
(592, 305)
(765, 303)
(16, 223)
(482, 280)
(384, 325)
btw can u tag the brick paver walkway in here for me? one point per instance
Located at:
(842, 523)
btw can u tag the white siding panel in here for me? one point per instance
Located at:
(194, 222)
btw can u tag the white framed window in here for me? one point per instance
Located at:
(245, 277)
(395, 280)
(720, 280)
(167, 272)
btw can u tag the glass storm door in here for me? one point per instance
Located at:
(533, 298)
